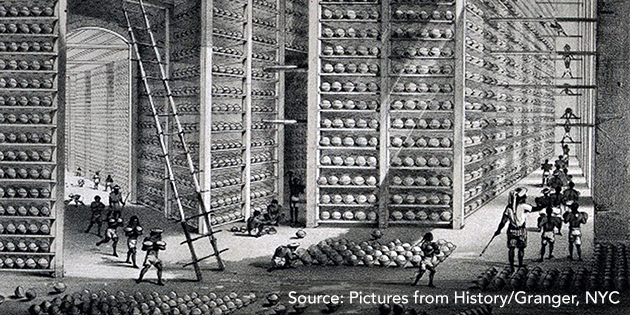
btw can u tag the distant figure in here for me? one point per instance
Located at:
(76, 198)
(116, 202)
(153, 244)
(78, 173)
(97, 208)
(571, 194)
(546, 167)
(565, 149)
(549, 225)
(296, 188)
(109, 182)
(430, 250)
(575, 219)
(284, 257)
(96, 179)
(133, 230)
(111, 233)
(568, 114)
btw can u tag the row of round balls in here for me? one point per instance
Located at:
(421, 215)
(219, 126)
(24, 192)
(262, 157)
(28, 228)
(26, 11)
(349, 14)
(421, 181)
(412, 104)
(348, 104)
(226, 108)
(24, 245)
(226, 144)
(261, 193)
(224, 89)
(24, 28)
(104, 303)
(360, 160)
(225, 200)
(367, 68)
(434, 199)
(22, 263)
(412, 87)
(26, 156)
(34, 118)
(26, 46)
(410, 68)
(348, 199)
(261, 175)
(33, 173)
(350, 50)
(219, 183)
(25, 101)
(423, 33)
(349, 87)
(226, 217)
(346, 180)
(24, 210)
(421, 161)
(410, 123)
(423, 15)
(351, 33)
(358, 215)
(25, 137)
(226, 32)
(370, 254)
(26, 83)
(349, 123)
(26, 65)
(348, 142)
(421, 51)
(225, 162)
(421, 142)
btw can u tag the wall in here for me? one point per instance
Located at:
(611, 160)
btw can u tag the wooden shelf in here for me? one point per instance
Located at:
(345, 205)
(412, 187)
(348, 186)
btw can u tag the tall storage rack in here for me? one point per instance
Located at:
(409, 123)
(32, 70)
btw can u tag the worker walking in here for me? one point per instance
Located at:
(116, 202)
(546, 168)
(430, 250)
(97, 208)
(575, 219)
(133, 230)
(109, 183)
(284, 257)
(295, 188)
(514, 217)
(113, 223)
(153, 244)
(570, 194)
(549, 225)
(96, 179)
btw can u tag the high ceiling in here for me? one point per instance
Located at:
(90, 48)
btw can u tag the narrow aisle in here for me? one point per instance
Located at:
(465, 262)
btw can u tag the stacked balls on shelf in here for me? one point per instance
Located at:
(412, 104)
(9, 244)
(420, 142)
(225, 13)
(350, 215)
(17, 83)
(218, 107)
(347, 180)
(227, 216)
(350, 50)
(410, 14)
(350, 160)
(261, 175)
(25, 118)
(408, 51)
(23, 28)
(224, 181)
(421, 161)
(350, 67)
(351, 32)
(349, 87)
(422, 69)
(262, 125)
(348, 141)
(262, 157)
(227, 70)
(264, 39)
(26, 46)
(348, 104)
(226, 161)
(259, 92)
(25, 173)
(225, 199)
(29, 227)
(414, 123)
(227, 50)
(226, 32)
(25, 11)
(262, 142)
(349, 123)
(262, 108)
(224, 89)
(26, 262)
(421, 87)
(265, 4)
(424, 33)
(103, 302)
(369, 253)
(420, 180)
(226, 144)
(7, 100)
(423, 198)
(25, 65)
(24, 192)
(350, 14)
(220, 126)
(261, 193)
(347, 199)
(24, 210)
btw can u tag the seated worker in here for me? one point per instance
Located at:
(284, 257)
(256, 223)
(274, 213)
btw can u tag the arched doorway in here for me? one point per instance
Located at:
(99, 113)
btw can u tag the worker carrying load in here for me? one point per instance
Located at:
(575, 219)
(284, 257)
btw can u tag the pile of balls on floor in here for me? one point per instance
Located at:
(609, 272)
(341, 251)
(120, 303)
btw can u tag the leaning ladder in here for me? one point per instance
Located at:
(157, 62)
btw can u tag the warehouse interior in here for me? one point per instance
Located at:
(375, 121)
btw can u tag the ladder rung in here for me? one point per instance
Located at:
(147, 44)
(177, 133)
(198, 215)
(200, 237)
(206, 257)
(148, 61)
(156, 78)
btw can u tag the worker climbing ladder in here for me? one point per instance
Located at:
(152, 63)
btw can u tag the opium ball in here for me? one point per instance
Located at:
(396, 142)
(434, 199)
(360, 215)
(408, 161)
(324, 215)
(397, 199)
(398, 124)
(332, 180)
(410, 123)
(322, 180)
(420, 161)
(397, 105)
(434, 216)
(358, 180)
(396, 180)
(336, 215)
(361, 141)
(421, 215)
(348, 215)
(408, 181)
(409, 215)
(348, 199)
(324, 141)
(397, 215)
(371, 180)
(325, 160)
(337, 160)
(325, 199)
(372, 161)
(348, 141)
(335, 141)
(361, 199)
(410, 199)
(446, 216)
